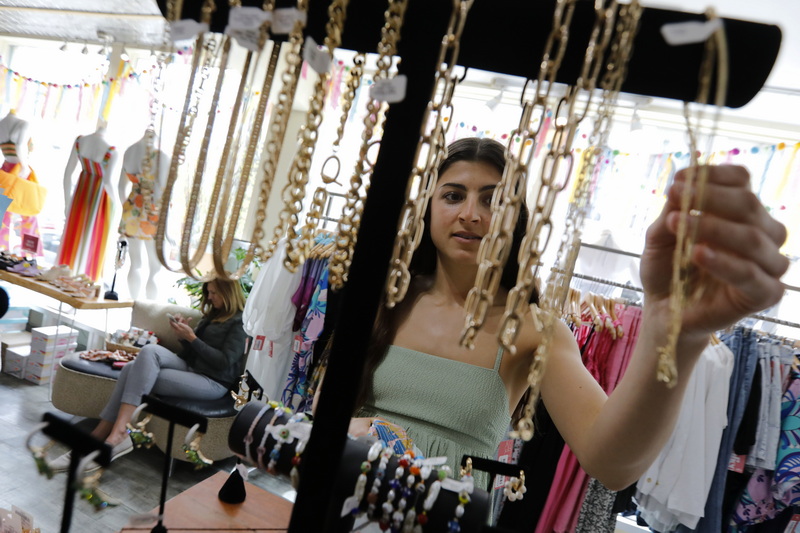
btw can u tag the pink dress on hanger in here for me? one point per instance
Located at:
(83, 244)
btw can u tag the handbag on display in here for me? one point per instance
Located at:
(27, 195)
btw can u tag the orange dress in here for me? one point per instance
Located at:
(29, 225)
(83, 243)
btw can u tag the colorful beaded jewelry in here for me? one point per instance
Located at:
(515, 487)
(39, 454)
(137, 429)
(372, 497)
(88, 485)
(262, 447)
(191, 449)
(300, 428)
(248, 439)
(394, 487)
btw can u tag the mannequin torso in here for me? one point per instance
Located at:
(14, 138)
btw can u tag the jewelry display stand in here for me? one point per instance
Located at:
(504, 36)
(344, 480)
(175, 415)
(81, 444)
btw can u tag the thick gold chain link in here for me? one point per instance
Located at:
(431, 151)
(298, 247)
(557, 287)
(507, 199)
(715, 54)
(350, 220)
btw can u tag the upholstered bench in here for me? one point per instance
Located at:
(82, 387)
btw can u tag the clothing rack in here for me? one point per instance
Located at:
(326, 217)
(639, 256)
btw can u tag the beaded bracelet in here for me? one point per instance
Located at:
(248, 439)
(372, 497)
(300, 428)
(394, 487)
(262, 447)
(424, 473)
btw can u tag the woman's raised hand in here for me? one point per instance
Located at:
(736, 260)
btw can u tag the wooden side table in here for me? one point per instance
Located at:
(199, 509)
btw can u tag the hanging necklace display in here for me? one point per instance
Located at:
(221, 247)
(188, 264)
(350, 220)
(558, 281)
(277, 132)
(431, 150)
(189, 113)
(507, 199)
(353, 85)
(295, 189)
(715, 54)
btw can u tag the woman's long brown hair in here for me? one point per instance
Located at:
(471, 149)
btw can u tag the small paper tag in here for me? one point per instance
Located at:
(316, 56)
(30, 243)
(283, 19)
(736, 463)
(244, 25)
(794, 524)
(391, 90)
(689, 32)
(457, 486)
(181, 30)
(258, 345)
(297, 343)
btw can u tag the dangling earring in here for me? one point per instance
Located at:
(191, 448)
(39, 454)
(515, 487)
(88, 485)
(138, 429)
(241, 399)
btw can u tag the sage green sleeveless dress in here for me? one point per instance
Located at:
(449, 408)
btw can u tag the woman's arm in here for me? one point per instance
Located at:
(737, 267)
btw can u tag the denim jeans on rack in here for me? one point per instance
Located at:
(743, 343)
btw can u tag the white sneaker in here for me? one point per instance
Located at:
(62, 462)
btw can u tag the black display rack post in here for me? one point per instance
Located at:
(82, 444)
(175, 415)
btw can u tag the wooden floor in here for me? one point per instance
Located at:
(134, 480)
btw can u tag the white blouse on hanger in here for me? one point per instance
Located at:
(268, 316)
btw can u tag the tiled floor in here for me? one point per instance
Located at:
(134, 480)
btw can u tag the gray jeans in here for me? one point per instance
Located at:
(157, 370)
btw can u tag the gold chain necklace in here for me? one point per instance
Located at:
(558, 282)
(431, 150)
(191, 209)
(350, 220)
(277, 132)
(193, 94)
(507, 200)
(716, 51)
(295, 190)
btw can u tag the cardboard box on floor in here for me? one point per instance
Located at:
(17, 338)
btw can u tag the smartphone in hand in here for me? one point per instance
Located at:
(172, 318)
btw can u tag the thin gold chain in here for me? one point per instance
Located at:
(431, 151)
(507, 199)
(221, 245)
(297, 247)
(350, 220)
(191, 209)
(558, 282)
(193, 95)
(715, 53)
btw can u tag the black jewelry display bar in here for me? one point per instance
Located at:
(504, 36)
(175, 415)
(81, 444)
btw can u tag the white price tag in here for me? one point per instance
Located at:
(283, 19)
(457, 486)
(391, 91)
(244, 25)
(300, 430)
(316, 56)
(247, 17)
(690, 32)
(181, 30)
